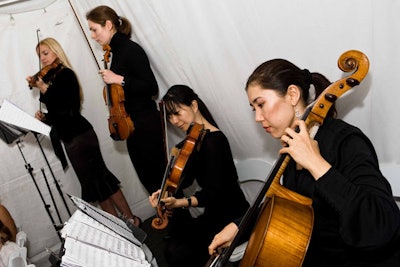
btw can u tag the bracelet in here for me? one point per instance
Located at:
(189, 199)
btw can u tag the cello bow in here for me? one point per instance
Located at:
(258, 252)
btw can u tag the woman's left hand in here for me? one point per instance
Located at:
(40, 84)
(304, 150)
(109, 77)
(170, 202)
(153, 198)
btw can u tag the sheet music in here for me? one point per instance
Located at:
(89, 243)
(132, 234)
(12, 114)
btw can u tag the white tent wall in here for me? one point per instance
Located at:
(211, 46)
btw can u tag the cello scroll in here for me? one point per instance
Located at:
(352, 60)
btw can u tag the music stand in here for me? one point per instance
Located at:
(15, 124)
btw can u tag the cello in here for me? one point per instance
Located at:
(174, 172)
(120, 123)
(278, 239)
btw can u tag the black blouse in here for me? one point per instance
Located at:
(356, 218)
(63, 103)
(130, 60)
(214, 170)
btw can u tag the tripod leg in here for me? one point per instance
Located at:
(52, 174)
(51, 195)
(46, 206)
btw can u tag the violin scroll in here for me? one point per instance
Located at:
(107, 53)
(161, 221)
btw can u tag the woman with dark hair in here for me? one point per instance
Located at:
(213, 169)
(130, 68)
(356, 220)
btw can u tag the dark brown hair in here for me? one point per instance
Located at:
(6, 233)
(101, 14)
(184, 95)
(279, 74)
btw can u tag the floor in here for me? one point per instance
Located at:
(155, 241)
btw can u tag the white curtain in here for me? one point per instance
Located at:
(212, 46)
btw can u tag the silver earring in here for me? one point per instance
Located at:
(297, 114)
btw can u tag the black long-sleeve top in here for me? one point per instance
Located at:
(356, 219)
(130, 60)
(63, 103)
(214, 170)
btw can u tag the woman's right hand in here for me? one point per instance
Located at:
(39, 115)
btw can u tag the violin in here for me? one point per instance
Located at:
(120, 123)
(174, 173)
(47, 73)
(285, 219)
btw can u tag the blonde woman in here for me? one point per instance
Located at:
(61, 94)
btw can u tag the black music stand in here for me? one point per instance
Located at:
(13, 133)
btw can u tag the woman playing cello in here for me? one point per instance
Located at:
(214, 171)
(357, 222)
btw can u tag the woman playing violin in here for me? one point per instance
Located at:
(214, 171)
(130, 68)
(62, 96)
(357, 222)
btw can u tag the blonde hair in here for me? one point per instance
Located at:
(55, 46)
(57, 49)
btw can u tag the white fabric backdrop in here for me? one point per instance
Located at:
(211, 46)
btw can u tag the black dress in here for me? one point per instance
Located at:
(62, 100)
(145, 145)
(220, 196)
